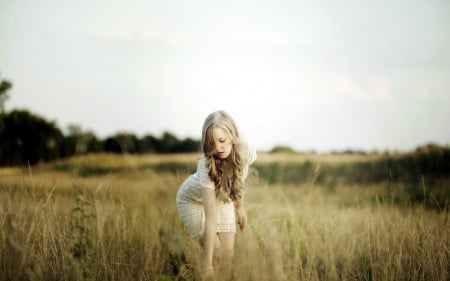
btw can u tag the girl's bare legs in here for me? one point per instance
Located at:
(206, 273)
(223, 252)
(217, 255)
(226, 249)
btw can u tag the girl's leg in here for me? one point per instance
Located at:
(217, 253)
(227, 246)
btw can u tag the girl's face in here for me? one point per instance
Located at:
(222, 143)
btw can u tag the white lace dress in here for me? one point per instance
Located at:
(190, 201)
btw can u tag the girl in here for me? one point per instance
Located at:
(209, 200)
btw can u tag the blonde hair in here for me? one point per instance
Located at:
(225, 173)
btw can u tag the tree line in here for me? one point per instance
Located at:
(27, 138)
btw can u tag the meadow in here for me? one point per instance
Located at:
(113, 217)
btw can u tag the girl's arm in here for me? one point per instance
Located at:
(241, 213)
(239, 203)
(209, 201)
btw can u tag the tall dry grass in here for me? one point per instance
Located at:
(124, 226)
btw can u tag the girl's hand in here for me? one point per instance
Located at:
(241, 217)
(207, 273)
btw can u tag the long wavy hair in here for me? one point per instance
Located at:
(225, 173)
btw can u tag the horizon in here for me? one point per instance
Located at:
(276, 148)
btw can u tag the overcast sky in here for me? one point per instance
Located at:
(314, 75)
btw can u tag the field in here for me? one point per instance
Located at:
(113, 217)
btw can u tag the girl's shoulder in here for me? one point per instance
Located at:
(201, 162)
(203, 172)
(247, 151)
(201, 158)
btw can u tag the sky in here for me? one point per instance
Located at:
(312, 75)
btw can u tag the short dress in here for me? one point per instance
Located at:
(190, 200)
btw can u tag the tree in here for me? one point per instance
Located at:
(187, 145)
(168, 142)
(80, 142)
(282, 149)
(28, 138)
(149, 144)
(112, 145)
(5, 85)
(122, 142)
